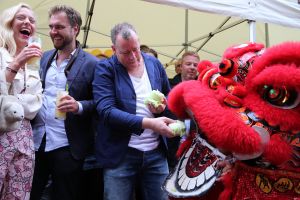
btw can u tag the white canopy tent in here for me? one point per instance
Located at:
(167, 29)
(282, 12)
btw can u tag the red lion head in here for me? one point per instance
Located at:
(249, 105)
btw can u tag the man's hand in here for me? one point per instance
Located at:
(158, 109)
(159, 125)
(26, 54)
(68, 104)
(156, 102)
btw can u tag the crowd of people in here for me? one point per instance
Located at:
(106, 116)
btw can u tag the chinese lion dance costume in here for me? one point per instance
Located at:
(247, 113)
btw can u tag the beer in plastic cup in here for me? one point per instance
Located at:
(34, 62)
(58, 113)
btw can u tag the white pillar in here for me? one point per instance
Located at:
(252, 31)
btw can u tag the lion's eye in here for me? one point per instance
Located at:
(281, 96)
(214, 81)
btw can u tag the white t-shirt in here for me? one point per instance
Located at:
(148, 140)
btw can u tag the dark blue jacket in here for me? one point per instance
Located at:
(116, 105)
(79, 128)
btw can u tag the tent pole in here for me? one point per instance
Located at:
(87, 25)
(206, 51)
(86, 18)
(252, 31)
(99, 33)
(220, 26)
(223, 28)
(182, 49)
(87, 9)
(219, 30)
(185, 44)
(186, 29)
(267, 35)
(211, 35)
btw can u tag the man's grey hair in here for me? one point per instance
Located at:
(125, 29)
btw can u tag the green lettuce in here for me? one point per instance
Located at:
(156, 98)
(178, 128)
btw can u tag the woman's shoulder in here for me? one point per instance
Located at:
(5, 57)
(4, 52)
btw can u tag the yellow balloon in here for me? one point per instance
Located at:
(96, 52)
(108, 52)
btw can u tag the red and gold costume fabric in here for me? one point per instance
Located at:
(247, 110)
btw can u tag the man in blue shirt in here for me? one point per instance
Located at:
(131, 140)
(61, 145)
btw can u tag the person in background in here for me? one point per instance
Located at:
(17, 24)
(178, 66)
(131, 139)
(189, 63)
(152, 52)
(177, 78)
(61, 145)
(144, 48)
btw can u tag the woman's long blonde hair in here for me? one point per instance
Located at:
(6, 33)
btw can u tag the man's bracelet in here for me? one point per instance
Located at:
(11, 70)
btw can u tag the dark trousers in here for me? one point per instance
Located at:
(65, 171)
(173, 144)
(93, 184)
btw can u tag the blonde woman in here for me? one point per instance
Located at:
(17, 24)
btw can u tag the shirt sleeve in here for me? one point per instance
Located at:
(80, 109)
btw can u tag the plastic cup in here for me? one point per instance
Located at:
(59, 114)
(34, 62)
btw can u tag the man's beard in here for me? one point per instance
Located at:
(61, 45)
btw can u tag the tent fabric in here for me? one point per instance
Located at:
(281, 12)
(167, 29)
